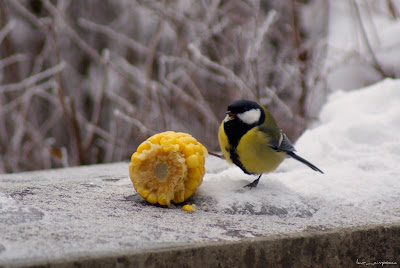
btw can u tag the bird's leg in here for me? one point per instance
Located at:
(254, 183)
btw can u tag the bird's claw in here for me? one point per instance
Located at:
(251, 185)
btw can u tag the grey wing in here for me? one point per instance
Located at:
(283, 144)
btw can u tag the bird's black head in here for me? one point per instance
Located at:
(242, 115)
(245, 112)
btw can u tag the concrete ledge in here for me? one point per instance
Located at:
(91, 217)
(341, 247)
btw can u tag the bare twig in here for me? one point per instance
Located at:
(375, 61)
(255, 46)
(6, 30)
(181, 94)
(392, 9)
(71, 32)
(40, 24)
(113, 35)
(68, 109)
(244, 89)
(7, 108)
(302, 58)
(98, 104)
(149, 66)
(135, 122)
(13, 59)
(77, 133)
(26, 83)
(180, 61)
(103, 134)
(281, 103)
(253, 51)
(216, 155)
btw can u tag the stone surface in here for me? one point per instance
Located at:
(91, 216)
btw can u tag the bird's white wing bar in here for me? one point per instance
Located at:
(281, 139)
(283, 144)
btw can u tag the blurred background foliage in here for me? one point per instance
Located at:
(84, 82)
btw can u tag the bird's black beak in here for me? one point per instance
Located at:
(230, 116)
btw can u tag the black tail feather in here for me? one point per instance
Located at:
(305, 162)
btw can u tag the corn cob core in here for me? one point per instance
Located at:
(168, 166)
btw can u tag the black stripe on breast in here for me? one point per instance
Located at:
(235, 159)
(235, 130)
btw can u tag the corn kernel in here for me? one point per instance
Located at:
(202, 160)
(188, 151)
(167, 141)
(202, 169)
(193, 174)
(152, 198)
(188, 140)
(143, 192)
(193, 161)
(162, 200)
(179, 196)
(198, 149)
(155, 139)
(188, 193)
(171, 147)
(191, 184)
(143, 146)
(189, 208)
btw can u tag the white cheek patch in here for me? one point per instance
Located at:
(250, 117)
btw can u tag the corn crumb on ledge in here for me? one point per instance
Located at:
(168, 167)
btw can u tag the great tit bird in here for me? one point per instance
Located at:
(250, 138)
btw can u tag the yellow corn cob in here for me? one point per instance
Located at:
(168, 167)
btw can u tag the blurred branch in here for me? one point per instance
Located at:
(26, 83)
(181, 94)
(98, 103)
(244, 89)
(76, 131)
(367, 43)
(40, 24)
(149, 67)
(13, 59)
(71, 32)
(135, 122)
(271, 93)
(302, 58)
(187, 64)
(68, 108)
(105, 135)
(113, 35)
(254, 48)
(6, 30)
(7, 47)
(7, 108)
(392, 9)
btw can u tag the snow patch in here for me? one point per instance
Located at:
(357, 145)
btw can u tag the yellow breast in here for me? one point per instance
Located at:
(256, 155)
(224, 143)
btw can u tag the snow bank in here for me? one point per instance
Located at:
(357, 145)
